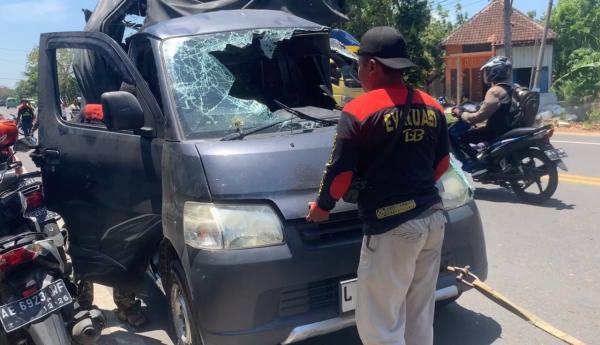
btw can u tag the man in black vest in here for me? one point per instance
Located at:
(394, 138)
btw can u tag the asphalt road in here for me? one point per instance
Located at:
(544, 258)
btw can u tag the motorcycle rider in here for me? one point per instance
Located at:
(497, 108)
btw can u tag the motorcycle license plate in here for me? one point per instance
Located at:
(556, 154)
(19, 313)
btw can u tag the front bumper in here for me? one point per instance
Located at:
(285, 294)
(333, 325)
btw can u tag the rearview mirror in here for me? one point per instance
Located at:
(122, 111)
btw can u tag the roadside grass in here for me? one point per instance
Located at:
(592, 121)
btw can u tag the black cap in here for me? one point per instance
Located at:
(386, 45)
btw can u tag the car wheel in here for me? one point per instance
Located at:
(183, 324)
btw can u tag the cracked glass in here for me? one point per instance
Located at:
(202, 84)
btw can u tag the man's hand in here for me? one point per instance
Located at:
(315, 214)
(457, 112)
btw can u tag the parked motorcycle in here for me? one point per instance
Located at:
(37, 295)
(522, 160)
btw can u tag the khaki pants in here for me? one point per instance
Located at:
(397, 276)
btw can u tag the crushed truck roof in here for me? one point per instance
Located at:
(108, 15)
(228, 20)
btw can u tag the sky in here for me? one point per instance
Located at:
(22, 21)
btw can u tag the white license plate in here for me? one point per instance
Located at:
(347, 295)
(19, 313)
(556, 154)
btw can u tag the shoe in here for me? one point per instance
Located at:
(134, 317)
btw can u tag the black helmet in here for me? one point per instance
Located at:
(497, 69)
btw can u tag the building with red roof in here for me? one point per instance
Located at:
(474, 42)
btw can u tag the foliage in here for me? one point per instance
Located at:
(413, 18)
(581, 83)
(577, 57)
(439, 28)
(365, 14)
(461, 17)
(66, 77)
(593, 117)
(6, 92)
(28, 87)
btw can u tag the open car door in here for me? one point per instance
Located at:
(104, 183)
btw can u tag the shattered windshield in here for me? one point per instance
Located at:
(228, 81)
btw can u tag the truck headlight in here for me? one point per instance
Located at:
(226, 226)
(454, 186)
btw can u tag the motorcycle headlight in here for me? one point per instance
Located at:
(455, 187)
(225, 226)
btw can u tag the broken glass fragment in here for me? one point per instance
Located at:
(201, 83)
(270, 39)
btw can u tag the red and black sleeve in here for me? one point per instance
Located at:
(441, 162)
(342, 164)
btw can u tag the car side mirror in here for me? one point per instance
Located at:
(122, 111)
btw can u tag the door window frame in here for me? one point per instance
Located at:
(114, 55)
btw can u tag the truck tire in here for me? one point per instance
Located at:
(183, 323)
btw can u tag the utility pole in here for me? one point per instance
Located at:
(507, 29)
(538, 68)
(536, 44)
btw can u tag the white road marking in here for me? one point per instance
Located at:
(577, 134)
(574, 142)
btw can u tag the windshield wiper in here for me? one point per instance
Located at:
(241, 135)
(294, 112)
(304, 116)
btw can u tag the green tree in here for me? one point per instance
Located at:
(439, 28)
(532, 14)
(66, 77)
(577, 48)
(365, 14)
(6, 92)
(410, 17)
(28, 87)
(461, 16)
(582, 81)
